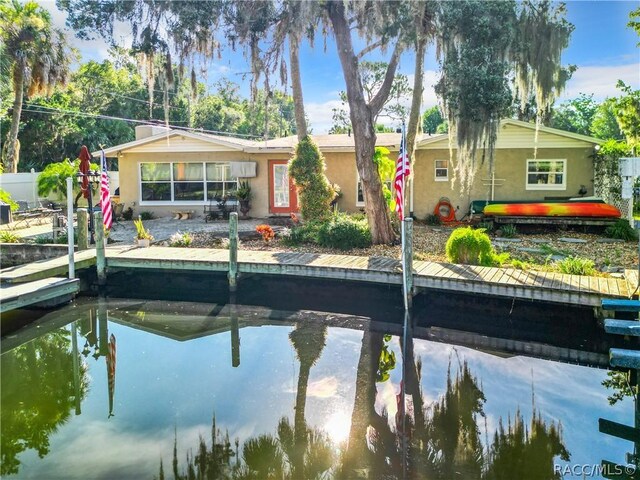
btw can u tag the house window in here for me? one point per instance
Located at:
(360, 192)
(546, 175)
(442, 170)
(193, 182)
(220, 183)
(155, 182)
(188, 182)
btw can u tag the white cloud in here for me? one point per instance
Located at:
(320, 114)
(601, 80)
(326, 387)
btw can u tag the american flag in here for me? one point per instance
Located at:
(403, 169)
(105, 195)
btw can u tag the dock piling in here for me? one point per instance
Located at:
(101, 261)
(233, 251)
(407, 261)
(70, 239)
(83, 229)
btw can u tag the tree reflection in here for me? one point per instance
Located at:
(38, 394)
(443, 438)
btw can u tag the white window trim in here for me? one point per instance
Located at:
(172, 202)
(546, 186)
(435, 168)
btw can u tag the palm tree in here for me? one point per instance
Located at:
(39, 60)
(308, 340)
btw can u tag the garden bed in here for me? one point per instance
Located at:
(540, 249)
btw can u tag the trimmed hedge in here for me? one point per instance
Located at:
(307, 168)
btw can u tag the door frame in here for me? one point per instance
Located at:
(293, 192)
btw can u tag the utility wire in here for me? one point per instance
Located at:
(53, 111)
(147, 102)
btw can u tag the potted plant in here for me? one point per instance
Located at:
(143, 237)
(243, 194)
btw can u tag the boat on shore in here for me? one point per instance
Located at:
(553, 209)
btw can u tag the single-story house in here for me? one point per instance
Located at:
(164, 170)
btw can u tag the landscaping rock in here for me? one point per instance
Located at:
(507, 240)
(558, 258)
(530, 250)
(571, 240)
(610, 240)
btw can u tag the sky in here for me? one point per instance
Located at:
(603, 48)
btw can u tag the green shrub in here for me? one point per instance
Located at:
(577, 266)
(181, 239)
(622, 230)
(433, 219)
(473, 247)
(300, 234)
(147, 215)
(43, 240)
(6, 198)
(307, 168)
(509, 231)
(344, 232)
(7, 236)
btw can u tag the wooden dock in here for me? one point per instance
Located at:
(503, 282)
(47, 268)
(13, 296)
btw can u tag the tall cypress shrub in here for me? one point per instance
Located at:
(307, 167)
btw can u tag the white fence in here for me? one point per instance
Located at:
(24, 186)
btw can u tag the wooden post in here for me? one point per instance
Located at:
(76, 367)
(70, 242)
(83, 229)
(235, 331)
(233, 251)
(101, 261)
(407, 260)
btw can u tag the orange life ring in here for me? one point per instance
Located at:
(445, 211)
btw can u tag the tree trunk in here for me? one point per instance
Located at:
(300, 424)
(416, 102)
(362, 120)
(296, 85)
(356, 455)
(11, 158)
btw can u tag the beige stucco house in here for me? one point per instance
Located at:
(167, 170)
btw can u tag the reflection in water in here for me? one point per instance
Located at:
(38, 393)
(353, 402)
(442, 440)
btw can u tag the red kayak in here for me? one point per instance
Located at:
(567, 209)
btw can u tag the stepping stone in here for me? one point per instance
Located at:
(571, 240)
(609, 240)
(540, 241)
(557, 258)
(529, 250)
(507, 240)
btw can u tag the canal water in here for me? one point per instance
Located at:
(139, 389)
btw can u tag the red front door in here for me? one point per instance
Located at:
(283, 196)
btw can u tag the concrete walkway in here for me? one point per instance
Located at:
(161, 228)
